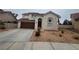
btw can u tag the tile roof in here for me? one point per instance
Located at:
(13, 14)
(41, 14)
(74, 15)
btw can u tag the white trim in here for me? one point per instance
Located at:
(19, 24)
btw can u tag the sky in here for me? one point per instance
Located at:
(64, 13)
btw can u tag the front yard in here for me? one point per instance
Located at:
(57, 36)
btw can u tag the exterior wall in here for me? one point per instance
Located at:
(75, 24)
(19, 24)
(25, 16)
(66, 26)
(6, 17)
(36, 22)
(54, 24)
(75, 21)
(10, 25)
(45, 25)
(30, 17)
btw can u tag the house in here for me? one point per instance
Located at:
(75, 21)
(46, 21)
(26, 23)
(8, 18)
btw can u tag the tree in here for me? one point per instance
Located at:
(70, 23)
(67, 22)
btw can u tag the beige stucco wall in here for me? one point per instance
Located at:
(10, 25)
(30, 17)
(6, 17)
(19, 24)
(65, 26)
(36, 22)
(75, 24)
(54, 23)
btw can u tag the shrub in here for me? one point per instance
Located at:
(60, 35)
(62, 31)
(37, 33)
(76, 37)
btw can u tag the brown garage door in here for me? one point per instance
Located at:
(28, 25)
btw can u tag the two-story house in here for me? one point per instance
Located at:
(46, 21)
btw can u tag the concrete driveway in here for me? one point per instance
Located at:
(14, 38)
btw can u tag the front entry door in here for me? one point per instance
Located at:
(39, 23)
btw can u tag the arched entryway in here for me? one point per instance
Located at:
(39, 23)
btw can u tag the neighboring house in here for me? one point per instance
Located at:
(46, 21)
(75, 21)
(8, 18)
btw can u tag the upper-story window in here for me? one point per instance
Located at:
(50, 21)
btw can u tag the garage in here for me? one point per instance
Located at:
(28, 24)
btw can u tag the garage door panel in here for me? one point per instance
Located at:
(28, 25)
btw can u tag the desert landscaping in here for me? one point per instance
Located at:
(62, 36)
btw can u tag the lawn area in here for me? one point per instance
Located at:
(57, 36)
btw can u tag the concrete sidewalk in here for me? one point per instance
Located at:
(42, 46)
(50, 46)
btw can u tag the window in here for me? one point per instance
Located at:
(50, 21)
